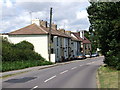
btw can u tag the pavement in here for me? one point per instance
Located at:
(74, 74)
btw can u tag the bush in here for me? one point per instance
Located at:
(19, 56)
(113, 60)
(24, 45)
(20, 51)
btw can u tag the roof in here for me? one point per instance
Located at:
(75, 39)
(56, 32)
(28, 30)
(77, 35)
(35, 29)
(85, 41)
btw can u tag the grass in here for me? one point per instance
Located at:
(108, 77)
(5, 76)
(15, 65)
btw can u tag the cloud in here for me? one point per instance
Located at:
(68, 15)
(8, 3)
(82, 14)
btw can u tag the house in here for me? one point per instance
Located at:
(37, 33)
(85, 44)
(75, 45)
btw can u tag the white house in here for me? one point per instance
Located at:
(37, 34)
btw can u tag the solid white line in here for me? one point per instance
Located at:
(50, 78)
(34, 87)
(74, 68)
(64, 71)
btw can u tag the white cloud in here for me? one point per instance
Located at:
(82, 14)
(9, 3)
(65, 14)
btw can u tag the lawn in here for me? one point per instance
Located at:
(108, 77)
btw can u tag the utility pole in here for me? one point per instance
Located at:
(30, 16)
(50, 34)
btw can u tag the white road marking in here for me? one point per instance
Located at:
(88, 63)
(74, 68)
(50, 78)
(81, 65)
(34, 87)
(64, 71)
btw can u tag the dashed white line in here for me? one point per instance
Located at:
(50, 78)
(64, 71)
(34, 87)
(73, 68)
(81, 65)
(88, 63)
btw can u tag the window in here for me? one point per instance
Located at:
(52, 51)
(51, 38)
(57, 52)
(57, 41)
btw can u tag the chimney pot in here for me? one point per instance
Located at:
(54, 26)
(62, 30)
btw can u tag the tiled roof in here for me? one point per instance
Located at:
(75, 39)
(35, 29)
(86, 40)
(77, 35)
(56, 32)
(28, 30)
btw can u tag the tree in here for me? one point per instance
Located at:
(105, 21)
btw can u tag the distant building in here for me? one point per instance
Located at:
(85, 44)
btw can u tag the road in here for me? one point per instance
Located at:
(78, 74)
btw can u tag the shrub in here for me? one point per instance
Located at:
(24, 45)
(20, 51)
(113, 60)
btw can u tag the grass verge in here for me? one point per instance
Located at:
(5, 76)
(108, 77)
(15, 65)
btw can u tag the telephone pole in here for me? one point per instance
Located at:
(30, 16)
(50, 34)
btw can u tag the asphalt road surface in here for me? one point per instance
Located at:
(78, 74)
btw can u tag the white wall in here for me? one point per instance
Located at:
(40, 42)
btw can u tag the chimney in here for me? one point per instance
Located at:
(54, 26)
(68, 33)
(36, 21)
(82, 34)
(62, 30)
(78, 33)
(43, 23)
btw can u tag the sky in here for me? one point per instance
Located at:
(68, 14)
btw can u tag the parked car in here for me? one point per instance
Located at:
(81, 56)
(88, 56)
(95, 54)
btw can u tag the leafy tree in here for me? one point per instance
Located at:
(105, 24)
